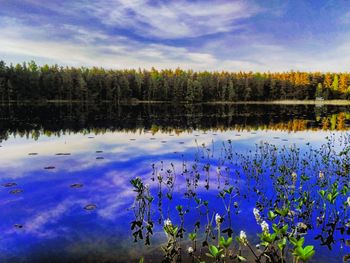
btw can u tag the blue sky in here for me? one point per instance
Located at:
(312, 35)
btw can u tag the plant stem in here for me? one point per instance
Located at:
(257, 258)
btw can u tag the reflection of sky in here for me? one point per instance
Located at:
(52, 213)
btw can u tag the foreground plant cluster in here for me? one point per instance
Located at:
(298, 196)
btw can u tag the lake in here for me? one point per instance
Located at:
(65, 171)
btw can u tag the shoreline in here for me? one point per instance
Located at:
(134, 102)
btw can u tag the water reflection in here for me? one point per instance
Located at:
(78, 210)
(59, 119)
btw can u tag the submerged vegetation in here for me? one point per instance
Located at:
(28, 81)
(299, 199)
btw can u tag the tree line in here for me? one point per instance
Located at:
(28, 81)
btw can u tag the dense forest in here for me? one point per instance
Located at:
(28, 81)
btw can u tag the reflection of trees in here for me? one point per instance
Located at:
(59, 119)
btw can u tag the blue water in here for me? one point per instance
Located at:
(47, 222)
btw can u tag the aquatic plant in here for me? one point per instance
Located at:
(294, 191)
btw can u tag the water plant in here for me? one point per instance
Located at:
(293, 192)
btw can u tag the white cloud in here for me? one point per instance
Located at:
(83, 48)
(85, 45)
(345, 19)
(171, 20)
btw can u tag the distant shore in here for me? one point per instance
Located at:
(135, 102)
(288, 102)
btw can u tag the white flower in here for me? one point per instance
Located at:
(167, 222)
(257, 215)
(348, 201)
(264, 227)
(302, 226)
(243, 237)
(294, 176)
(190, 250)
(218, 219)
(321, 175)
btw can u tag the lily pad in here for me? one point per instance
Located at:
(76, 185)
(16, 191)
(9, 184)
(90, 207)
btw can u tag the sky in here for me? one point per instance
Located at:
(260, 35)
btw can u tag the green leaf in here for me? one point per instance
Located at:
(304, 253)
(296, 242)
(271, 215)
(240, 258)
(322, 192)
(284, 229)
(192, 236)
(282, 212)
(225, 243)
(213, 250)
(179, 208)
(282, 244)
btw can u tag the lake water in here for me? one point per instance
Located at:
(65, 172)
